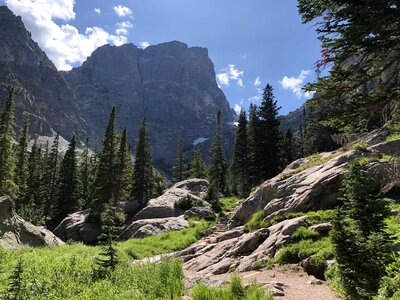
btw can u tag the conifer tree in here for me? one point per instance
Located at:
(179, 168)
(49, 179)
(253, 136)
(22, 162)
(158, 184)
(288, 149)
(68, 184)
(85, 170)
(218, 167)
(361, 244)
(7, 157)
(123, 174)
(104, 185)
(197, 165)
(240, 157)
(143, 170)
(269, 138)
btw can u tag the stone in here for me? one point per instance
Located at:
(74, 228)
(16, 232)
(321, 228)
(148, 227)
(164, 205)
(201, 212)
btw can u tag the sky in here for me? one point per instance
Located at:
(251, 42)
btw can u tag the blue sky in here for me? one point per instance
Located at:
(251, 42)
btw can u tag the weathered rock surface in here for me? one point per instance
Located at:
(16, 232)
(200, 212)
(163, 206)
(75, 228)
(321, 228)
(42, 92)
(147, 227)
(170, 84)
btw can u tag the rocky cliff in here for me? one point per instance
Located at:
(42, 91)
(170, 84)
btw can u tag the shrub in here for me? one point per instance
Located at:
(360, 146)
(187, 202)
(256, 222)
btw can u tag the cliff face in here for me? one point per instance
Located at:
(170, 84)
(41, 90)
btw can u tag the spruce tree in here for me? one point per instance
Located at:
(218, 167)
(269, 137)
(104, 185)
(143, 170)
(240, 157)
(123, 174)
(253, 136)
(288, 150)
(179, 168)
(7, 157)
(197, 166)
(49, 179)
(68, 200)
(22, 162)
(361, 244)
(85, 172)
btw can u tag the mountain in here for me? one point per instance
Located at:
(293, 120)
(42, 91)
(170, 84)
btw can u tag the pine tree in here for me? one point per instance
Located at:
(288, 150)
(22, 162)
(240, 157)
(359, 233)
(15, 284)
(85, 171)
(158, 184)
(269, 138)
(49, 179)
(218, 167)
(68, 200)
(104, 185)
(197, 166)
(253, 136)
(179, 168)
(143, 171)
(123, 174)
(7, 157)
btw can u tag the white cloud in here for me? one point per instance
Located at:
(97, 11)
(228, 74)
(237, 108)
(125, 24)
(295, 84)
(245, 56)
(257, 82)
(254, 99)
(122, 11)
(144, 45)
(64, 44)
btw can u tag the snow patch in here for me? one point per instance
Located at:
(199, 141)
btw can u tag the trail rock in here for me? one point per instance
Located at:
(148, 227)
(163, 206)
(201, 212)
(321, 228)
(16, 232)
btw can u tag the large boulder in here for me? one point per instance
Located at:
(148, 227)
(164, 205)
(16, 232)
(75, 228)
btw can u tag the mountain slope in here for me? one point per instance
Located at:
(43, 93)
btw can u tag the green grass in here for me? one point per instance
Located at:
(228, 204)
(360, 146)
(256, 222)
(234, 291)
(393, 137)
(66, 272)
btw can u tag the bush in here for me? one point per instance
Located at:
(360, 146)
(187, 202)
(256, 222)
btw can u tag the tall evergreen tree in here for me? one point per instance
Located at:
(68, 199)
(85, 172)
(179, 168)
(358, 233)
(218, 167)
(7, 157)
(288, 148)
(22, 162)
(253, 136)
(269, 138)
(123, 174)
(49, 179)
(143, 170)
(104, 185)
(197, 165)
(240, 157)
